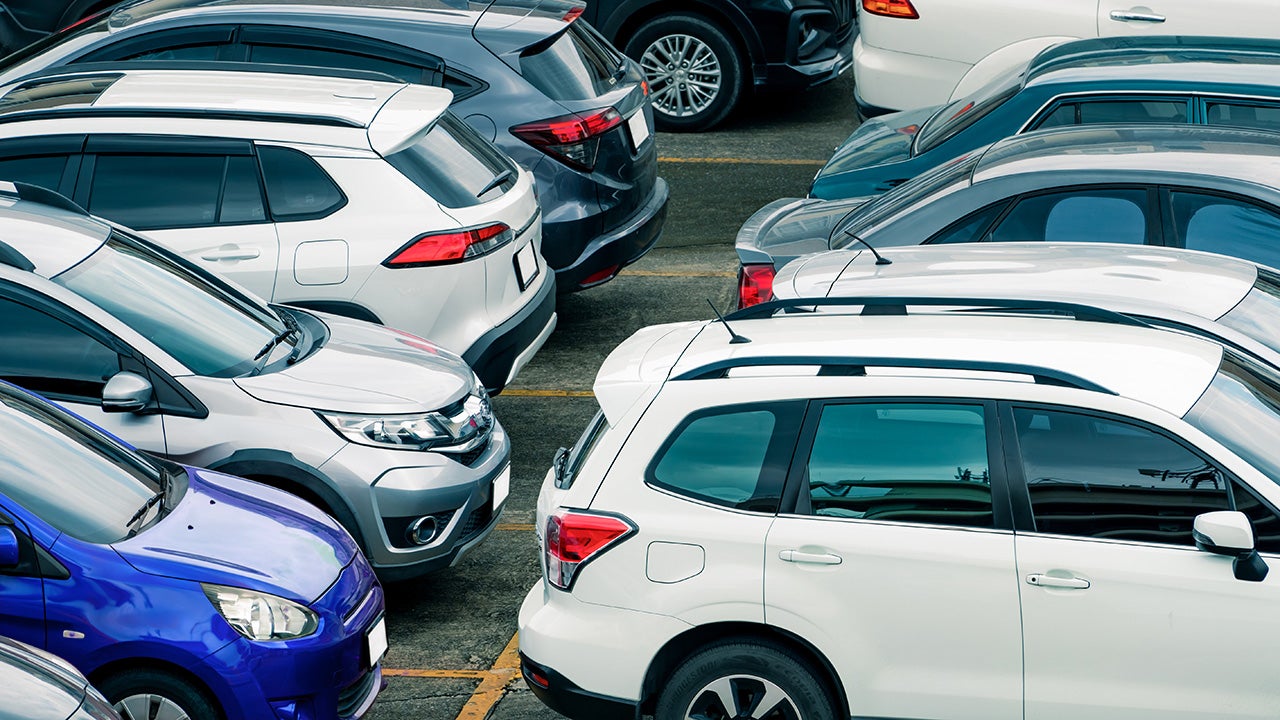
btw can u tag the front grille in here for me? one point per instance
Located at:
(351, 698)
(476, 521)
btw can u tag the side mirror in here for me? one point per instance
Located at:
(1227, 532)
(126, 392)
(10, 552)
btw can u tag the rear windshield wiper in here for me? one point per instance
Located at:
(497, 180)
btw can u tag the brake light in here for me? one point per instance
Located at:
(573, 14)
(755, 285)
(575, 537)
(891, 8)
(450, 247)
(573, 139)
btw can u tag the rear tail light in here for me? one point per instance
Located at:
(574, 13)
(576, 537)
(755, 285)
(450, 247)
(573, 139)
(891, 8)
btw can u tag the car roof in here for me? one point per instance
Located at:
(1251, 156)
(460, 12)
(54, 239)
(387, 115)
(1154, 281)
(1181, 60)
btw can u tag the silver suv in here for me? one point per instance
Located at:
(389, 433)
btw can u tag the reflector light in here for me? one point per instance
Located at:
(450, 247)
(755, 285)
(891, 8)
(599, 276)
(575, 537)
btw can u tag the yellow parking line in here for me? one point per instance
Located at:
(494, 685)
(743, 161)
(680, 273)
(420, 673)
(513, 526)
(521, 392)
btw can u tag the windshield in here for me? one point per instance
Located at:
(1258, 314)
(575, 65)
(184, 312)
(76, 478)
(957, 116)
(1241, 410)
(925, 187)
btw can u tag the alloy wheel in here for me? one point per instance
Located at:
(684, 75)
(150, 707)
(742, 697)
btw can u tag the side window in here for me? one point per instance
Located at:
(970, 229)
(48, 356)
(209, 51)
(43, 170)
(906, 462)
(242, 200)
(1105, 215)
(1063, 116)
(1226, 226)
(733, 456)
(150, 192)
(1101, 478)
(297, 188)
(1239, 114)
(1266, 524)
(320, 57)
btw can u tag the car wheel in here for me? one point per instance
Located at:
(744, 680)
(694, 71)
(151, 695)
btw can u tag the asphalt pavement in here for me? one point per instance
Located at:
(452, 633)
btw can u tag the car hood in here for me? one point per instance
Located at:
(231, 531)
(35, 684)
(881, 141)
(788, 228)
(367, 369)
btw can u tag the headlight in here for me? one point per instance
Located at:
(259, 616)
(456, 429)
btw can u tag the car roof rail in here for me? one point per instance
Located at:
(116, 66)
(897, 305)
(42, 195)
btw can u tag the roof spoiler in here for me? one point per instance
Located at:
(509, 27)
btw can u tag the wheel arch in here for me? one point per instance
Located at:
(122, 665)
(677, 649)
(624, 22)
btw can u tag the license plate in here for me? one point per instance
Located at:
(376, 640)
(526, 266)
(502, 487)
(639, 128)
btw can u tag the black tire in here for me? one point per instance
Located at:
(688, 35)
(749, 667)
(144, 688)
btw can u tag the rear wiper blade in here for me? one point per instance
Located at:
(497, 180)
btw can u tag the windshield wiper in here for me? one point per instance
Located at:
(158, 498)
(497, 180)
(290, 329)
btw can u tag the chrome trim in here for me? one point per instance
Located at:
(1130, 16)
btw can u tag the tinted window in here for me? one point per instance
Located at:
(1265, 522)
(45, 171)
(1266, 117)
(318, 57)
(1222, 225)
(1117, 216)
(455, 166)
(1241, 410)
(1094, 112)
(952, 119)
(242, 192)
(921, 190)
(148, 192)
(188, 52)
(1102, 478)
(297, 188)
(577, 65)
(969, 229)
(920, 463)
(71, 476)
(730, 457)
(48, 356)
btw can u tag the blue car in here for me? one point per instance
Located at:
(180, 593)
(1176, 80)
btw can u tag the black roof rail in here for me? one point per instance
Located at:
(856, 365)
(36, 194)
(90, 69)
(189, 114)
(11, 257)
(897, 305)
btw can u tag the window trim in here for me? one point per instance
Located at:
(222, 35)
(1053, 103)
(343, 200)
(1001, 509)
(431, 67)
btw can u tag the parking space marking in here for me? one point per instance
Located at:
(743, 161)
(521, 392)
(494, 684)
(447, 674)
(680, 273)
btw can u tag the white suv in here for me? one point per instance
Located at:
(350, 196)
(987, 517)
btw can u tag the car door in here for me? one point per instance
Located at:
(1122, 616)
(897, 560)
(48, 350)
(22, 615)
(1246, 18)
(1222, 223)
(199, 197)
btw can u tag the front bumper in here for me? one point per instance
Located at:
(619, 247)
(498, 355)
(800, 74)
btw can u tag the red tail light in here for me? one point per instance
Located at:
(574, 139)
(755, 285)
(573, 14)
(575, 537)
(450, 247)
(891, 8)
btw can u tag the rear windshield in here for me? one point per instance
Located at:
(577, 64)
(957, 116)
(1258, 314)
(455, 166)
(925, 187)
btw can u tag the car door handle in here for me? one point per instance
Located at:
(797, 556)
(1053, 581)
(1131, 16)
(232, 253)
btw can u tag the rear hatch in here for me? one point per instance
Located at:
(607, 126)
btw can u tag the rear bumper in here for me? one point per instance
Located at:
(893, 81)
(573, 702)
(810, 74)
(499, 354)
(619, 247)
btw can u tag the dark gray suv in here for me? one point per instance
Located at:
(528, 74)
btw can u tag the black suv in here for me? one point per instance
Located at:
(701, 55)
